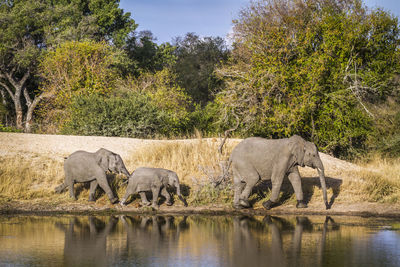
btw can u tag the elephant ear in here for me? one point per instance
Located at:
(112, 162)
(297, 149)
(102, 159)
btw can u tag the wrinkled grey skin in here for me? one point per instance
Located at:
(155, 180)
(272, 159)
(82, 166)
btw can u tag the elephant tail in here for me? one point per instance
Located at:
(59, 189)
(229, 164)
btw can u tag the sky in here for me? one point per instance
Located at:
(168, 19)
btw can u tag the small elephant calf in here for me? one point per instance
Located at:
(155, 180)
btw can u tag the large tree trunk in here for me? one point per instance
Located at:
(15, 88)
(18, 115)
(31, 107)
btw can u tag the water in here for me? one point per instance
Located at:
(197, 241)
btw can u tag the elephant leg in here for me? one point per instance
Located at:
(295, 180)
(238, 187)
(244, 196)
(70, 184)
(145, 202)
(276, 181)
(167, 196)
(103, 183)
(92, 192)
(276, 186)
(155, 189)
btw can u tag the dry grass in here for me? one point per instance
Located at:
(382, 180)
(29, 178)
(198, 165)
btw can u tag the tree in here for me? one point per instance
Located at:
(76, 69)
(31, 27)
(310, 68)
(197, 59)
(146, 55)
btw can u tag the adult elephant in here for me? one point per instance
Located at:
(272, 159)
(82, 166)
(155, 180)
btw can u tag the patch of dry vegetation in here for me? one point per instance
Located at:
(28, 178)
(200, 169)
(198, 164)
(381, 180)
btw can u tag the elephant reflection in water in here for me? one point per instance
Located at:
(151, 234)
(86, 241)
(247, 241)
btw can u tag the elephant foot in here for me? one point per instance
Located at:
(237, 206)
(244, 203)
(154, 206)
(269, 204)
(114, 200)
(327, 206)
(301, 205)
(146, 203)
(168, 203)
(122, 203)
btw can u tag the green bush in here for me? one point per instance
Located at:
(132, 115)
(9, 129)
(205, 119)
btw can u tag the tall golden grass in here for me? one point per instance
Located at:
(381, 180)
(198, 165)
(29, 177)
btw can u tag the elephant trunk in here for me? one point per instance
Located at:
(321, 174)
(178, 192)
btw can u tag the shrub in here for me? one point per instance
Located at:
(131, 116)
(9, 129)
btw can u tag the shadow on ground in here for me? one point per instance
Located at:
(308, 185)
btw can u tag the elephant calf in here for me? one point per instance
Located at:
(155, 180)
(82, 166)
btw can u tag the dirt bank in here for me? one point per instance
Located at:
(58, 146)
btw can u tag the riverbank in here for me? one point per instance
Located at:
(50, 208)
(31, 167)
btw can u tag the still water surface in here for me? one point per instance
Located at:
(197, 241)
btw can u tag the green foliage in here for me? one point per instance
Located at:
(29, 28)
(196, 61)
(311, 69)
(146, 55)
(166, 94)
(76, 69)
(205, 119)
(9, 129)
(130, 115)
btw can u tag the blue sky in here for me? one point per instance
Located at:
(167, 19)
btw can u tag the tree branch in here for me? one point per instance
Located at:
(27, 97)
(227, 132)
(8, 90)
